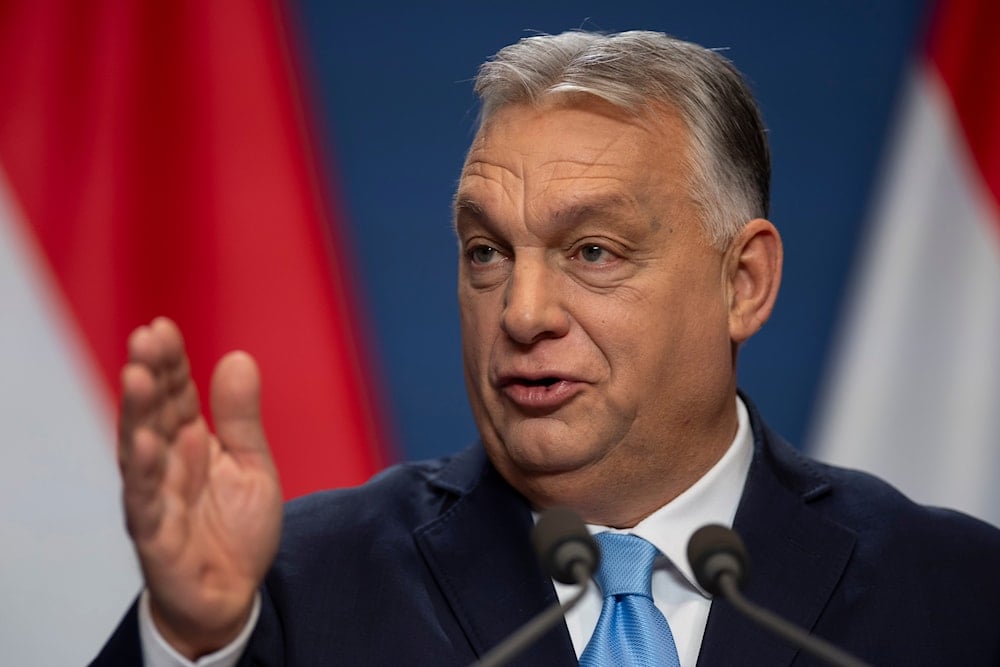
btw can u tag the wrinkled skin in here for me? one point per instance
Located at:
(599, 325)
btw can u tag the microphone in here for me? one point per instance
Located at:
(570, 555)
(713, 551)
(720, 563)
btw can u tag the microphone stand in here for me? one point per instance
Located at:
(820, 648)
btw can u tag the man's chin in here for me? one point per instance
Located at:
(547, 446)
(539, 458)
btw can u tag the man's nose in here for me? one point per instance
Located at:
(534, 306)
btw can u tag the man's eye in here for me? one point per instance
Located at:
(484, 254)
(594, 254)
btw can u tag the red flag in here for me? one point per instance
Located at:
(965, 52)
(160, 154)
(156, 158)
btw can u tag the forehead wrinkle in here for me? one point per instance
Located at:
(481, 169)
(601, 205)
(567, 180)
(604, 155)
(615, 206)
(581, 168)
(544, 175)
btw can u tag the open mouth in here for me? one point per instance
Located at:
(540, 382)
(540, 394)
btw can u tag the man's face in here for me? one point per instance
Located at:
(593, 308)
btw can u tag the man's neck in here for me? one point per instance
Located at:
(620, 494)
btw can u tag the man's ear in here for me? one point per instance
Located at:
(753, 272)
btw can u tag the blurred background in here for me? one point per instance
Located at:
(278, 177)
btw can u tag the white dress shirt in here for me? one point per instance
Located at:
(712, 499)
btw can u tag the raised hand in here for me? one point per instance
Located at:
(203, 510)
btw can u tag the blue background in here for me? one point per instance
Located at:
(392, 82)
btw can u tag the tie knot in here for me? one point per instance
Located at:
(626, 565)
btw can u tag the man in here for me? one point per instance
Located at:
(613, 256)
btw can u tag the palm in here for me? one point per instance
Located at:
(204, 511)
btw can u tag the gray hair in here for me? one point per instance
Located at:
(633, 70)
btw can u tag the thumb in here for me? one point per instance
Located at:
(235, 399)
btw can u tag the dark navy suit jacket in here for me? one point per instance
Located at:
(431, 564)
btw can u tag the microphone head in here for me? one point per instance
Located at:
(568, 552)
(715, 550)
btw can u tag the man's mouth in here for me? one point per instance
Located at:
(540, 382)
(544, 393)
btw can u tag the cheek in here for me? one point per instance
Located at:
(700, 353)
(479, 323)
(668, 332)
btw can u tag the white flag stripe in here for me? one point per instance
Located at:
(915, 387)
(67, 570)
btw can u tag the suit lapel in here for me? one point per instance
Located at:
(797, 556)
(480, 554)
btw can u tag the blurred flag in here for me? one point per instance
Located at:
(155, 158)
(915, 389)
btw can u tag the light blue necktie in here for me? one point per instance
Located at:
(631, 630)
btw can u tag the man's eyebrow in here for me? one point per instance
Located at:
(464, 205)
(460, 204)
(604, 206)
(599, 207)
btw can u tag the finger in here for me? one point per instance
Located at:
(141, 451)
(142, 484)
(236, 408)
(141, 387)
(182, 393)
(139, 345)
(155, 342)
(139, 399)
(173, 377)
(159, 347)
(176, 408)
(171, 358)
